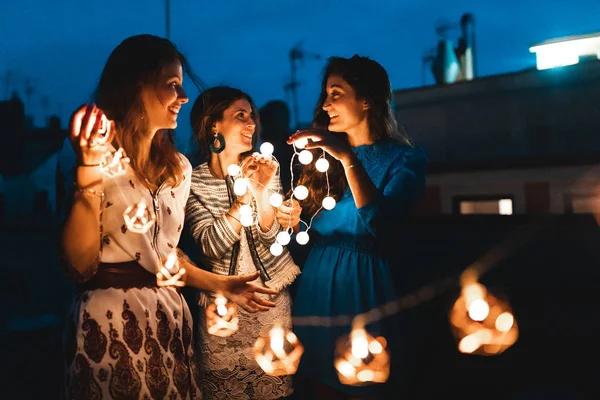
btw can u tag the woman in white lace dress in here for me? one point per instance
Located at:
(129, 333)
(225, 124)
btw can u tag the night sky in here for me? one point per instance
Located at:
(61, 45)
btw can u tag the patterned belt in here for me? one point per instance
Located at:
(124, 275)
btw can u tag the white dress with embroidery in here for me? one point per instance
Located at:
(136, 342)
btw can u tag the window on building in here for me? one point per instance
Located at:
(494, 205)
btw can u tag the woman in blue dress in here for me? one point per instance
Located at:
(375, 175)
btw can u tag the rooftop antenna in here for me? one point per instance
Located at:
(297, 54)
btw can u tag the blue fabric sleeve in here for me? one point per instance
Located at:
(404, 185)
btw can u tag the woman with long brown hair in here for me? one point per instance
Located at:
(129, 331)
(375, 175)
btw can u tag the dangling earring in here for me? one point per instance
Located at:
(218, 144)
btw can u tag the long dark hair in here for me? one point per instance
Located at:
(135, 62)
(370, 82)
(208, 109)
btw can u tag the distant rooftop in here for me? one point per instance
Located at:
(567, 50)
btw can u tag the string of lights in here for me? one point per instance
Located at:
(481, 322)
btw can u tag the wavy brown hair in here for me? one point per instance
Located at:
(208, 109)
(135, 63)
(370, 82)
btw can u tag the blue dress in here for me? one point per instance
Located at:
(348, 269)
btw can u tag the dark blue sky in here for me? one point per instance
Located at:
(61, 45)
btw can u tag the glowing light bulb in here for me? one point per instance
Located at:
(114, 163)
(240, 186)
(221, 317)
(505, 321)
(305, 157)
(246, 220)
(138, 217)
(234, 170)
(328, 203)
(375, 347)
(300, 192)
(245, 209)
(267, 149)
(322, 165)
(172, 263)
(278, 352)
(283, 238)
(479, 310)
(301, 143)
(302, 238)
(276, 249)
(345, 368)
(360, 345)
(101, 135)
(276, 200)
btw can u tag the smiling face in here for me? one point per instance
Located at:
(347, 113)
(163, 100)
(237, 126)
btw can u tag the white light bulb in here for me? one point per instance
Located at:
(322, 165)
(240, 186)
(302, 238)
(360, 346)
(276, 249)
(276, 200)
(233, 170)
(245, 209)
(301, 143)
(267, 149)
(283, 238)
(300, 192)
(328, 203)
(246, 220)
(479, 310)
(305, 157)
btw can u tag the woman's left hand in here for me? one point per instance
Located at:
(260, 171)
(322, 139)
(238, 289)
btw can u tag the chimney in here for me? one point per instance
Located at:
(466, 48)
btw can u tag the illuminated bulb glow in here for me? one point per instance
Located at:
(481, 323)
(234, 170)
(246, 220)
(360, 345)
(114, 163)
(301, 143)
(221, 317)
(240, 186)
(505, 321)
(302, 238)
(138, 218)
(276, 249)
(271, 355)
(361, 359)
(101, 135)
(322, 165)
(172, 263)
(245, 209)
(328, 203)
(283, 238)
(300, 192)
(479, 310)
(266, 149)
(276, 200)
(305, 157)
